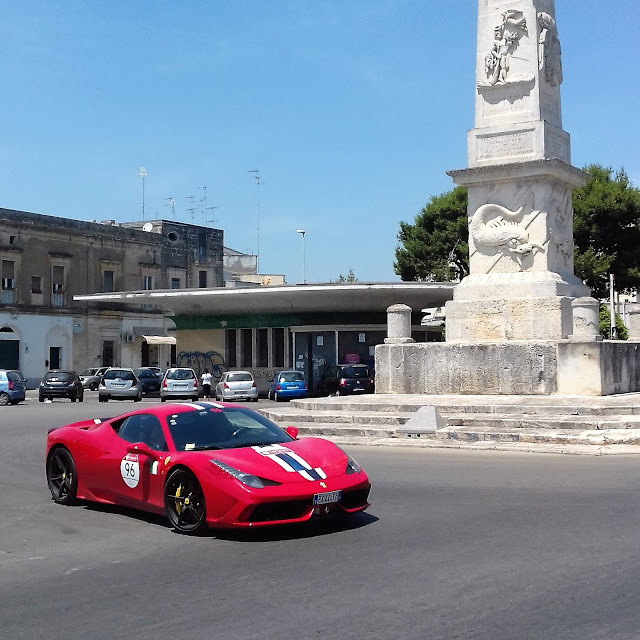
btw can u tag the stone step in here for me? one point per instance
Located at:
(551, 436)
(329, 430)
(561, 422)
(627, 404)
(291, 416)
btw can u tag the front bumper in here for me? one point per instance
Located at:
(288, 504)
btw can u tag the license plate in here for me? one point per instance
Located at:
(358, 389)
(327, 498)
(118, 384)
(180, 386)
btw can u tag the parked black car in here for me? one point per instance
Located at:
(61, 384)
(343, 379)
(150, 379)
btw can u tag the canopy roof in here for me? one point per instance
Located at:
(340, 297)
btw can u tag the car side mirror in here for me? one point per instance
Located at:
(141, 447)
(293, 432)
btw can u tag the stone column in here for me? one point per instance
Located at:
(398, 324)
(586, 320)
(633, 311)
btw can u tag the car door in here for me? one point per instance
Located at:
(132, 477)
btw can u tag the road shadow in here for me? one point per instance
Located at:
(310, 529)
(143, 516)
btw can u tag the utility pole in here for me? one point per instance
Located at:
(257, 177)
(613, 306)
(142, 172)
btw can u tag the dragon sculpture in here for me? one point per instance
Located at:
(502, 231)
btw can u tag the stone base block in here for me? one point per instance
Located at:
(509, 368)
(509, 319)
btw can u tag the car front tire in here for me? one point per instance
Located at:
(184, 502)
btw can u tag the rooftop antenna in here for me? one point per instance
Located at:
(207, 219)
(142, 172)
(257, 177)
(192, 198)
(171, 203)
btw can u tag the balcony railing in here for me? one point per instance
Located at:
(8, 296)
(57, 299)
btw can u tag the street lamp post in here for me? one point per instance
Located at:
(142, 172)
(302, 232)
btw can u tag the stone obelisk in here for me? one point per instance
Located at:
(521, 283)
(521, 322)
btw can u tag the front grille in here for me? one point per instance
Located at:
(354, 499)
(288, 510)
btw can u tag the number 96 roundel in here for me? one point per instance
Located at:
(130, 470)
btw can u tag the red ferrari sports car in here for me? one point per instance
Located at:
(204, 464)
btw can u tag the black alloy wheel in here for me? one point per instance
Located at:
(184, 502)
(93, 386)
(61, 476)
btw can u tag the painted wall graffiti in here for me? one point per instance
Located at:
(199, 361)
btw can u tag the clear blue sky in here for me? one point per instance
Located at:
(352, 110)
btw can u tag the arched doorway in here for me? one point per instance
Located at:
(9, 349)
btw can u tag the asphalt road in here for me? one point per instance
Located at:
(460, 545)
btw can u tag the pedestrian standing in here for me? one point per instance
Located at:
(206, 384)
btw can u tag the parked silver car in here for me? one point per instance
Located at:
(119, 384)
(91, 377)
(237, 385)
(179, 382)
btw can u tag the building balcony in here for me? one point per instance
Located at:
(57, 299)
(8, 296)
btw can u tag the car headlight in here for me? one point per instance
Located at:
(352, 466)
(246, 478)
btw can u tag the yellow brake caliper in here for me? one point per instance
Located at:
(178, 504)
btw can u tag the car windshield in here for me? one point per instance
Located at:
(290, 376)
(180, 374)
(118, 374)
(241, 376)
(89, 372)
(147, 373)
(354, 372)
(58, 376)
(215, 428)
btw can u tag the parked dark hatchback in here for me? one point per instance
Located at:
(61, 384)
(343, 379)
(150, 379)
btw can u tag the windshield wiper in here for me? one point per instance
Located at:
(260, 443)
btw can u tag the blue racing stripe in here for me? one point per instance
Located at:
(297, 466)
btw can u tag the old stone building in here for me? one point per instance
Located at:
(45, 261)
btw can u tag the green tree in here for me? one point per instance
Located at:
(606, 231)
(350, 277)
(606, 235)
(435, 248)
(605, 325)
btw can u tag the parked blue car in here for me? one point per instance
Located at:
(287, 385)
(12, 388)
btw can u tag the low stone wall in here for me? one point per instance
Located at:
(509, 368)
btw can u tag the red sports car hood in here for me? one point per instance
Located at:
(296, 461)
